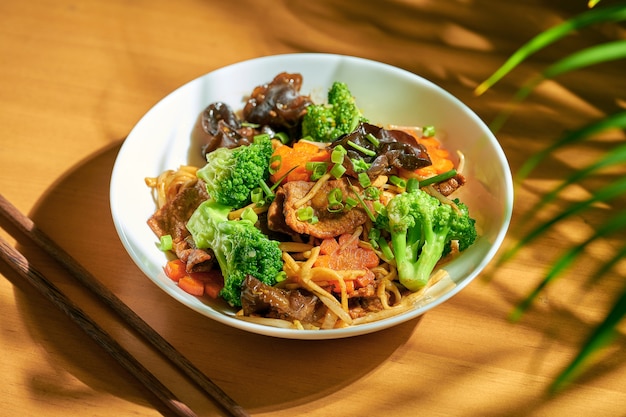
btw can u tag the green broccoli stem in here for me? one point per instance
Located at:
(414, 269)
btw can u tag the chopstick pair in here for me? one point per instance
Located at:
(20, 264)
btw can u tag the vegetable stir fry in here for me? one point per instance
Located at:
(309, 216)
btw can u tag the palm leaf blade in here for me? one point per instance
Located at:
(602, 335)
(594, 55)
(617, 120)
(609, 51)
(607, 266)
(605, 194)
(612, 13)
(613, 157)
(613, 225)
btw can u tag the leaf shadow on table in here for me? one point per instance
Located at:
(263, 373)
(251, 368)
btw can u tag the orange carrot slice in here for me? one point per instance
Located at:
(191, 285)
(175, 269)
(296, 156)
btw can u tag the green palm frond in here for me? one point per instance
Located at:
(614, 13)
(610, 51)
(611, 226)
(614, 157)
(617, 120)
(607, 266)
(602, 336)
(604, 332)
(603, 195)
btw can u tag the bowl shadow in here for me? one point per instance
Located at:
(253, 369)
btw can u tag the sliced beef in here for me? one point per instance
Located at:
(330, 224)
(171, 219)
(275, 216)
(361, 306)
(261, 299)
(449, 186)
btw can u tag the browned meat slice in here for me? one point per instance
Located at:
(451, 185)
(361, 306)
(275, 215)
(267, 301)
(330, 224)
(196, 260)
(171, 219)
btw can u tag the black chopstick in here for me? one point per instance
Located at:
(26, 226)
(20, 264)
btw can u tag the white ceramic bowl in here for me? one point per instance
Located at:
(386, 95)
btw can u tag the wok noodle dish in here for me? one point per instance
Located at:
(308, 214)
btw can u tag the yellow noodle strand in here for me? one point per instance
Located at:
(313, 191)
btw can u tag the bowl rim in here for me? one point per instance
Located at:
(116, 206)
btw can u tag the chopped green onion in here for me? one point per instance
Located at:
(165, 243)
(275, 163)
(364, 180)
(359, 165)
(281, 276)
(266, 189)
(361, 149)
(372, 193)
(385, 249)
(249, 214)
(335, 208)
(318, 169)
(256, 196)
(373, 139)
(283, 137)
(337, 171)
(248, 124)
(438, 178)
(335, 196)
(379, 207)
(306, 214)
(335, 200)
(412, 185)
(397, 181)
(369, 213)
(280, 180)
(350, 203)
(428, 131)
(338, 154)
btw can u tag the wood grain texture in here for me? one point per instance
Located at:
(51, 293)
(90, 282)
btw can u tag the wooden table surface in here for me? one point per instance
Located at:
(77, 75)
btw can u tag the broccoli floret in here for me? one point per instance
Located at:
(239, 248)
(327, 122)
(421, 229)
(231, 174)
